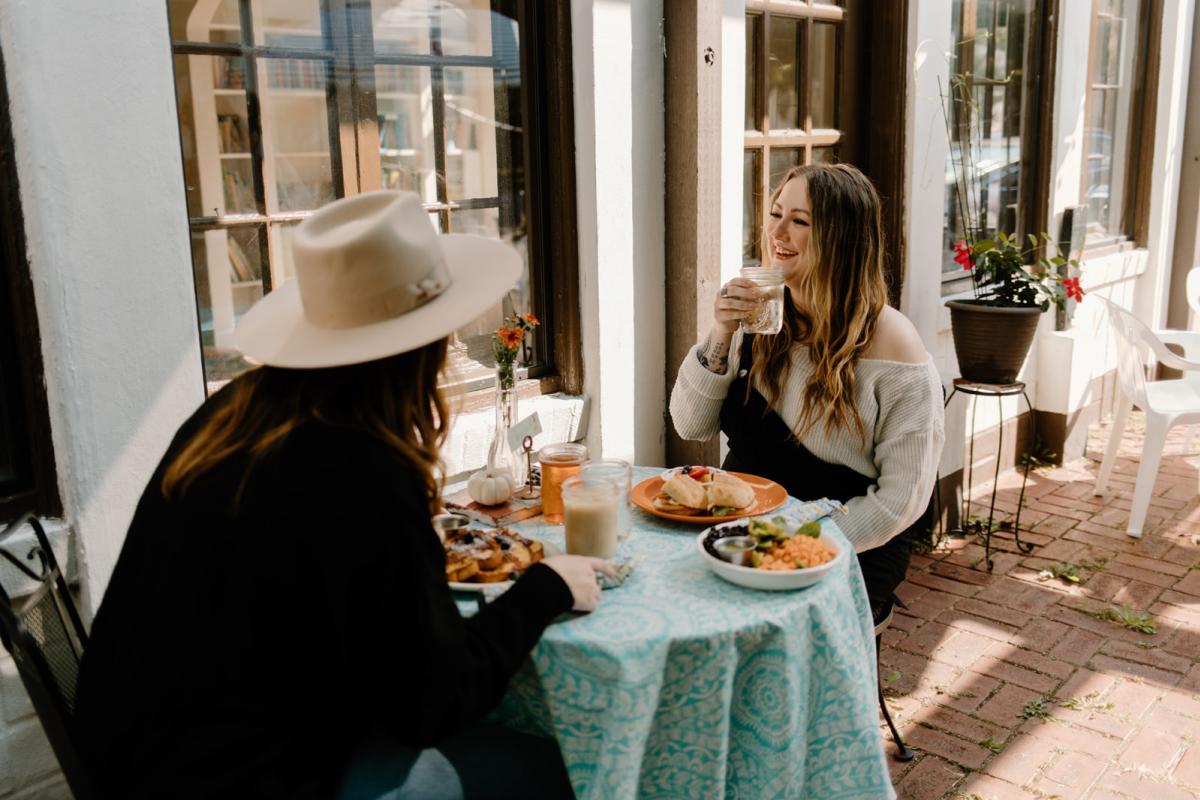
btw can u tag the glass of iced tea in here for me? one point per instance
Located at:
(559, 462)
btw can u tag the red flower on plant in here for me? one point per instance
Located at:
(962, 255)
(530, 319)
(510, 337)
(1074, 291)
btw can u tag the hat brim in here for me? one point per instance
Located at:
(275, 332)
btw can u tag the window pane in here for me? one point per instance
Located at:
(199, 21)
(471, 127)
(297, 162)
(1107, 133)
(461, 28)
(751, 205)
(825, 155)
(404, 103)
(783, 74)
(215, 137)
(983, 166)
(823, 86)
(288, 23)
(783, 159)
(227, 268)
(284, 265)
(753, 30)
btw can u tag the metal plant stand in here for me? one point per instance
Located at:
(999, 391)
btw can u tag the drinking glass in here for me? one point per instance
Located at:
(559, 462)
(767, 316)
(590, 509)
(620, 473)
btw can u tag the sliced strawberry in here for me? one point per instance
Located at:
(697, 473)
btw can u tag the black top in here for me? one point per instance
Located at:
(761, 443)
(245, 654)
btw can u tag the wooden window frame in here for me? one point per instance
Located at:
(1037, 119)
(1139, 157)
(24, 411)
(355, 162)
(764, 138)
(870, 106)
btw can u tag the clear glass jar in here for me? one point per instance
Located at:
(620, 473)
(590, 511)
(767, 315)
(559, 462)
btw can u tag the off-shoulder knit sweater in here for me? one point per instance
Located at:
(900, 405)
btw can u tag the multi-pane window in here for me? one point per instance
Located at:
(1111, 119)
(286, 104)
(990, 103)
(793, 105)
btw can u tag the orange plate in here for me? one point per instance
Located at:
(768, 496)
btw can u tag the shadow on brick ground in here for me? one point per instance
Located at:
(1005, 683)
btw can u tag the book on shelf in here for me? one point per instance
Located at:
(228, 72)
(237, 260)
(233, 133)
(239, 199)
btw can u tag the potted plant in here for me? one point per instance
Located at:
(994, 329)
(1012, 285)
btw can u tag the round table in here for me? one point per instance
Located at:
(682, 685)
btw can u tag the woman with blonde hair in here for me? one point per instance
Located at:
(279, 622)
(844, 402)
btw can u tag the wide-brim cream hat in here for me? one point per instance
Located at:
(373, 279)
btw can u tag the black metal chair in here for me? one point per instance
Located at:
(43, 632)
(903, 753)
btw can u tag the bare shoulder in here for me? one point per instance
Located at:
(896, 339)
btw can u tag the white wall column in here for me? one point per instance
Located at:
(618, 55)
(97, 141)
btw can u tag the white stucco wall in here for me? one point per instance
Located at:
(97, 144)
(619, 162)
(97, 148)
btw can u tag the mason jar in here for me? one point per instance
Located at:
(767, 315)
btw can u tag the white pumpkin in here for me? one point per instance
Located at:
(490, 488)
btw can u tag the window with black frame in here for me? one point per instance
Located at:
(286, 104)
(993, 56)
(28, 478)
(1113, 119)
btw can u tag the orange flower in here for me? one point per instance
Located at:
(530, 319)
(511, 337)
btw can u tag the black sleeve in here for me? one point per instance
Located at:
(399, 640)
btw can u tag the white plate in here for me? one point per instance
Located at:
(500, 587)
(763, 579)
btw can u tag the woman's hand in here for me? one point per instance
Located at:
(579, 573)
(734, 303)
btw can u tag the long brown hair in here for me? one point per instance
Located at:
(842, 295)
(395, 399)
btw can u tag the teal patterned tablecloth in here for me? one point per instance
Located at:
(682, 685)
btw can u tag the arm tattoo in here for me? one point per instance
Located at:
(714, 356)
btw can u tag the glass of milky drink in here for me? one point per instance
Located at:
(767, 316)
(559, 462)
(620, 473)
(591, 509)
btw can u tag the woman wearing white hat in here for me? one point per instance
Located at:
(278, 623)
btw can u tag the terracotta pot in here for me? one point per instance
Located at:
(991, 343)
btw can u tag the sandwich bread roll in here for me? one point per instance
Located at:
(729, 490)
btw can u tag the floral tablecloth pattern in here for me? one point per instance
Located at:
(682, 685)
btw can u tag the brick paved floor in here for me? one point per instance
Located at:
(1008, 690)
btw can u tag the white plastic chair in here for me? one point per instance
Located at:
(1166, 403)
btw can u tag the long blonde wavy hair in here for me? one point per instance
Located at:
(394, 399)
(840, 297)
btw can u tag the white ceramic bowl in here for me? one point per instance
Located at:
(768, 580)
